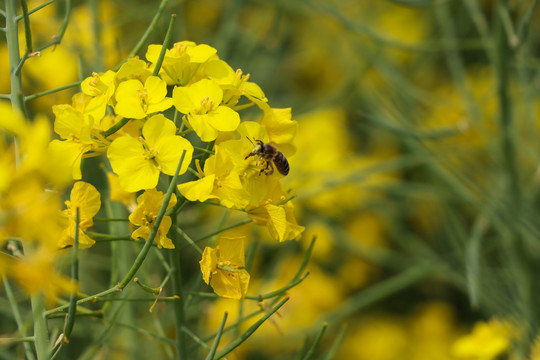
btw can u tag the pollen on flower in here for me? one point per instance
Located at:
(180, 48)
(207, 104)
(95, 81)
(143, 94)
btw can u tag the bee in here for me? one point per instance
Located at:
(271, 155)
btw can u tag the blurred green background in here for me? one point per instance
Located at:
(416, 169)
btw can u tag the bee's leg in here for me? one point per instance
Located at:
(259, 162)
(269, 165)
(263, 169)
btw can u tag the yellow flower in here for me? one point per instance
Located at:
(234, 83)
(218, 181)
(134, 68)
(148, 206)
(82, 138)
(223, 268)
(487, 341)
(268, 206)
(135, 100)
(86, 198)
(36, 273)
(278, 219)
(182, 62)
(24, 207)
(201, 102)
(100, 87)
(35, 159)
(138, 162)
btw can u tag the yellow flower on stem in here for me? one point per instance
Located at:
(201, 102)
(87, 199)
(223, 268)
(138, 162)
(135, 100)
(148, 206)
(182, 62)
(218, 181)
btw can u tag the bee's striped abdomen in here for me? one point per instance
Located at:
(281, 163)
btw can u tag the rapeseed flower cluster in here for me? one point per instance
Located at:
(126, 115)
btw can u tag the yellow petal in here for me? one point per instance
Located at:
(128, 100)
(208, 263)
(200, 53)
(161, 238)
(70, 153)
(87, 199)
(157, 127)
(224, 119)
(202, 127)
(198, 190)
(232, 285)
(127, 160)
(231, 250)
(170, 151)
(183, 102)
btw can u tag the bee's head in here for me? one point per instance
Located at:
(257, 145)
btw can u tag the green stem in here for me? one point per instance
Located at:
(213, 350)
(40, 326)
(116, 127)
(70, 317)
(52, 91)
(57, 39)
(236, 342)
(17, 315)
(84, 300)
(188, 239)
(313, 346)
(37, 8)
(176, 279)
(12, 37)
(278, 292)
(502, 66)
(164, 47)
(518, 255)
(27, 30)
(337, 343)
